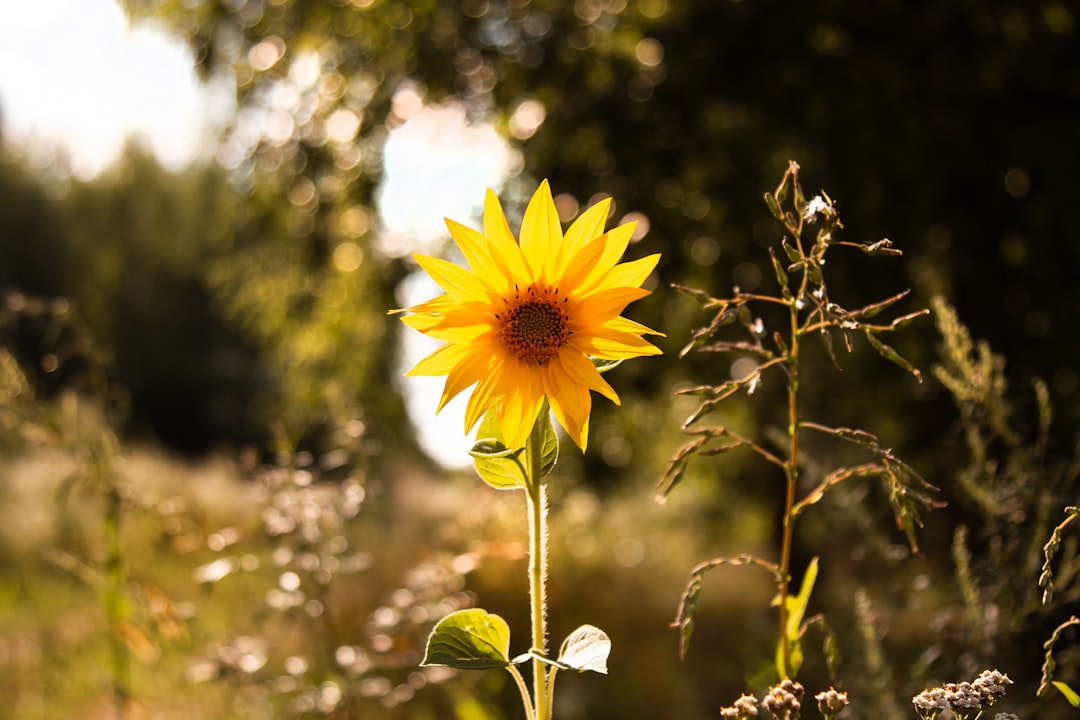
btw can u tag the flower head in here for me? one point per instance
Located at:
(524, 320)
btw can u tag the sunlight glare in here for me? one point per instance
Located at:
(74, 74)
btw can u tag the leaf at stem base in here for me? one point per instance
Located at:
(469, 640)
(504, 468)
(586, 648)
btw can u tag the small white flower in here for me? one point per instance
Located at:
(815, 206)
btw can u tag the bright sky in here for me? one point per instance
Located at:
(74, 74)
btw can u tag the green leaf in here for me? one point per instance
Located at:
(800, 199)
(551, 445)
(781, 276)
(782, 191)
(1068, 692)
(799, 603)
(587, 648)
(469, 640)
(505, 468)
(500, 467)
(792, 252)
(603, 366)
(796, 611)
(774, 205)
(890, 354)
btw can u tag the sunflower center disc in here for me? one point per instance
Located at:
(535, 325)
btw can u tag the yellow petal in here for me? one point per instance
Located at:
(613, 345)
(627, 325)
(521, 406)
(473, 246)
(541, 234)
(440, 304)
(616, 241)
(588, 226)
(477, 363)
(601, 306)
(440, 362)
(581, 265)
(580, 369)
(459, 283)
(571, 404)
(446, 328)
(482, 398)
(505, 250)
(629, 274)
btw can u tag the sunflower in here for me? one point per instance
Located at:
(524, 322)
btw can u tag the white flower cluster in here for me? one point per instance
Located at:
(815, 206)
(930, 703)
(784, 701)
(830, 702)
(745, 708)
(966, 699)
(991, 685)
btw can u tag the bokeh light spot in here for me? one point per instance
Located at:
(348, 256)
(705, 250)
(407, 101)
(747, 276)
(649, 52)
(302, 192)
(641, 229)
(267, 53)
(527, 117)
(355, 221)
(1058, 19)
(342, 125)
(567, 206)
(695, 205)
(1017, 182)
(652, 9)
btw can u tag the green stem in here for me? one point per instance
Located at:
(791, 473)
(551, 687)
(791, 468)
(114, 600)
(523, 689)
(534, 449)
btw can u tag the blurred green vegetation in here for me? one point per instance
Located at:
(239, 308)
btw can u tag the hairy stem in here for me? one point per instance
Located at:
(538, 564)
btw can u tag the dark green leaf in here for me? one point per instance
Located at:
(792, 252)
(781, 276)
(774, 205)
(890, 354)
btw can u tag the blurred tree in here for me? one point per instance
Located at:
(938, 124)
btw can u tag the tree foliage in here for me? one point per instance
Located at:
(938, 123)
